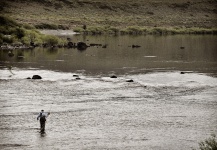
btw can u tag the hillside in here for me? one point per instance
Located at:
(117, 13)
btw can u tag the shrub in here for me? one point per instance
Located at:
(20, 32)
(78, 29)
(132, 30)
(51, 40)
(113, 30)
(3, 29)
(3, 5)
(27, 26)
(8, 39)
(95, 30)
(209, 144)
(6, 21)
(1, 39)
(63, 27)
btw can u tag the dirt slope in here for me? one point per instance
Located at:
(117, 13)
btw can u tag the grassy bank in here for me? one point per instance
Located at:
(14, 33)
(116, 16)
(18, 34)
(136, 30)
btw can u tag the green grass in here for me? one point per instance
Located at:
(12, 32)
(141, 30)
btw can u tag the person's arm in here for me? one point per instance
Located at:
(47, 114)
(38, 116)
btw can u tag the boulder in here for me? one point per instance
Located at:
(113, 76)
(70, 45)
(75, 75)
(81, 46)
(36, 77)
(135, 46)
(130, 80)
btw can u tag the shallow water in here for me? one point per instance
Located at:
(162, 109)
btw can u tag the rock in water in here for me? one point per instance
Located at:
(130, 80)
(36, 77)
(113, 76)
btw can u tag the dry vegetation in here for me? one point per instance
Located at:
(114, 15)
(199, 13)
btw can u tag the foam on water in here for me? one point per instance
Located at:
(149, 79)
(174, 79)
(45, 74)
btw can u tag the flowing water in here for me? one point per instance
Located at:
(162, 109)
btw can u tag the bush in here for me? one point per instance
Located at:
(136, 30)
(8, 39)
(51, 40)
(113, 30)
(78, 29)
(209, 144)
(6, 21)
(20, 32)
(1, 39)
(27, 26)
(95, 30)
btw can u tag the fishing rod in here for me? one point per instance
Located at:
(10, 69)
(50, 108)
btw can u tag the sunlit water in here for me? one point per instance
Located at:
(162, 109)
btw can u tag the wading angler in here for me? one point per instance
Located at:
(42, 118)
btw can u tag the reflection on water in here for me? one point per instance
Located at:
(179, 52)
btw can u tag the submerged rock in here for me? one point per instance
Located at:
(10, 54)
(94, 44)
(135, 46)
(104, 46)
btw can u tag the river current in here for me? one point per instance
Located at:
(162, 109)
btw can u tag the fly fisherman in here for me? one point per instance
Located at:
(42, 117)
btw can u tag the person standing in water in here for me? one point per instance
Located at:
(42, 117)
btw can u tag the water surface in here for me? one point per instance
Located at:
(188, 53)
(162, 109)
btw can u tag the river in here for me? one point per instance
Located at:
(162, 109)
